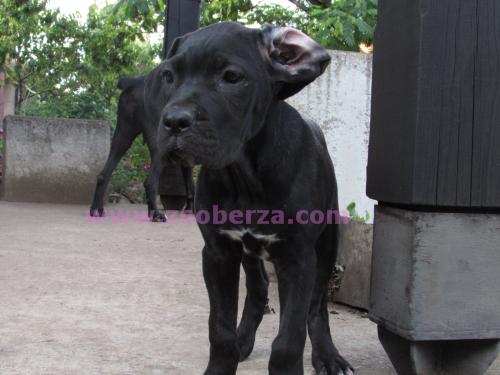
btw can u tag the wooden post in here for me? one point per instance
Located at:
(183, 16)
(435, 125)
(434, 167)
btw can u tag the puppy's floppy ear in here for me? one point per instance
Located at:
(296, 60)
(174, 47)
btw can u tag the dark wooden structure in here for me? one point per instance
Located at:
(435, 131)
(183, 16)
(434, 167)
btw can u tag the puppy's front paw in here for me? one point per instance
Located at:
(221, 368)
(332, 365)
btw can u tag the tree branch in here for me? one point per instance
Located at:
(299, 5)
(22, 79)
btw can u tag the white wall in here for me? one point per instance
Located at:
(339, 101)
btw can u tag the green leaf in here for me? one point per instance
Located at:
(363, 27)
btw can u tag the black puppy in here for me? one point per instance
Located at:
(132, 120)
(220, 94)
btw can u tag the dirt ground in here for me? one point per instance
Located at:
(124, 296)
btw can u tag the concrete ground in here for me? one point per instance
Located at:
(124, 296)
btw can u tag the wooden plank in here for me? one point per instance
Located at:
(435, 126)
(486, 157)
(467, 33)
(432, 55)
(394, 98)
(457, 108)
(445, 111)
(422, 108)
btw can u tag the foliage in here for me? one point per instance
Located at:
(214, 11)
(335, 24)
(344, 24)
(148, 15)
(353, 214)
(278, 15)
(35, 45)
(56, 59)
(113, 47)
(132, 171)
(78, 105)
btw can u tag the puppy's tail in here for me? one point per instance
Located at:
(126, 82)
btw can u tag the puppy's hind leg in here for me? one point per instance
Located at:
(325, 357)
(257, 284)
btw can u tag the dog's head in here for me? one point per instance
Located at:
(215, 87)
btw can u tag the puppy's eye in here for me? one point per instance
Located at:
(231, 76)
(168, 76)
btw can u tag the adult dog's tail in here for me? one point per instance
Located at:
(126, 82)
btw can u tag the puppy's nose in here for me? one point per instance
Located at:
(178, 120)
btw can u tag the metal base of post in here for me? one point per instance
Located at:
(458, 357)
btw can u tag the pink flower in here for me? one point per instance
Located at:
(146, 165)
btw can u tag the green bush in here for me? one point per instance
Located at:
(132, 171)
(353, 214)
(81, 105)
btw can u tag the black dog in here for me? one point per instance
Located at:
(132, 121)
(220, 94)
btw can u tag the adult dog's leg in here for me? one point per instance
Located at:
(325, 357)
(255, 303)
(187, 173)
(151, 182)
(222, 275)
(123, 137)
(295, 285)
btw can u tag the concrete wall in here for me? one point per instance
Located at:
(355, 256)
(52, 160)
(339, 101)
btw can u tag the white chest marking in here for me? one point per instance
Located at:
(237, 235)
(265, 240)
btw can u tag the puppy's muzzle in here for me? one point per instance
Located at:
(178, 120)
